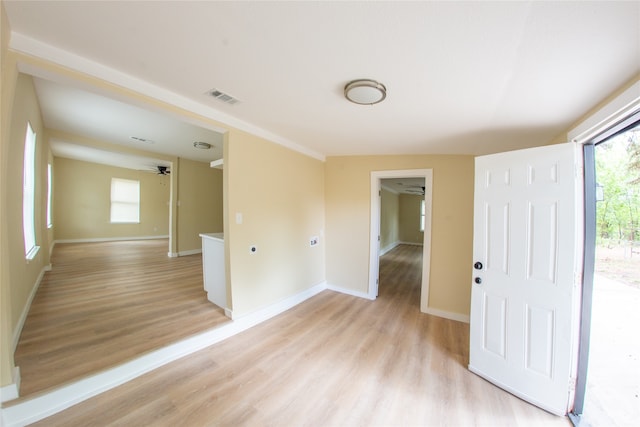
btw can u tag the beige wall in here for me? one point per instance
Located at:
(7, 89)
(389, 219)
(19, 277)
(199, 203)
(24, 274)
(280, 195)
(410, 219)
(82, 200)
(348, 221)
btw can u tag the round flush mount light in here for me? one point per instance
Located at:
(202, 145)
(365, 92)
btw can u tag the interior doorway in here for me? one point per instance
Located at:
(410, 178)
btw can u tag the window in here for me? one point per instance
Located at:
(125, 201)
(49, 195)
(29, 194)
(422, 215)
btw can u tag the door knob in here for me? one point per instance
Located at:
(477, 280)
(477, 265)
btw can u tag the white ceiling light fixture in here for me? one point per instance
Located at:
(202, 145)
(365, 92)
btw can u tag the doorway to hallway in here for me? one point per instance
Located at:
(423, 223)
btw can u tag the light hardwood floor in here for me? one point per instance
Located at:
(334, 360)
(105, 303)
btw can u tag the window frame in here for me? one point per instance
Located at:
(31, 247)
(49, 195)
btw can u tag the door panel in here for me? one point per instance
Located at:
(495, 324)
(542, 239)
(527, 235)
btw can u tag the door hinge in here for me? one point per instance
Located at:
(577, 280)
(378, 237)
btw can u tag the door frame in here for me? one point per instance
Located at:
(609, 119)
(590, 212)
(374, 242)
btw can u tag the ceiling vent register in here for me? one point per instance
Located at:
(221, 96)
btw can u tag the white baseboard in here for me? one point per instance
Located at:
(411, 243)
(388, 248)
(47, 404)
(351, 292)
(191, 252)
(25, 310)
(448, 315)
(109, 239)
(392, 246)
(172, 254)
(11, 391)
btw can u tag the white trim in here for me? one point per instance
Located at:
(173, 254)
(374, 245)
(190, 252)
(47, 52)
(411, 243)
(110, 239)
(32, 253)
(47, 404)
(392, 246)
(388, 248)
(25, 310)
(623, 106)
(11, 391)
(447, 314)
(351, 292)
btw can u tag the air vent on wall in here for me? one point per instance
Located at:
(221, 96)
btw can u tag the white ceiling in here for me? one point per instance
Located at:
(462, 77)
(90, 115)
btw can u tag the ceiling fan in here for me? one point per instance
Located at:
(163, 170)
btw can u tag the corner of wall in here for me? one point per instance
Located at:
(12, 390)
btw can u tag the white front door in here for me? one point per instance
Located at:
(527, 252)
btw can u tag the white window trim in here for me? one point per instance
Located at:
(49, 195)
(31, 247)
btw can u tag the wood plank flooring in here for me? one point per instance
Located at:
(105, 303)
(334, 360)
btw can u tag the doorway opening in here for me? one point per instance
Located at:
(417, 189)
(613, 380)
(607, 389)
